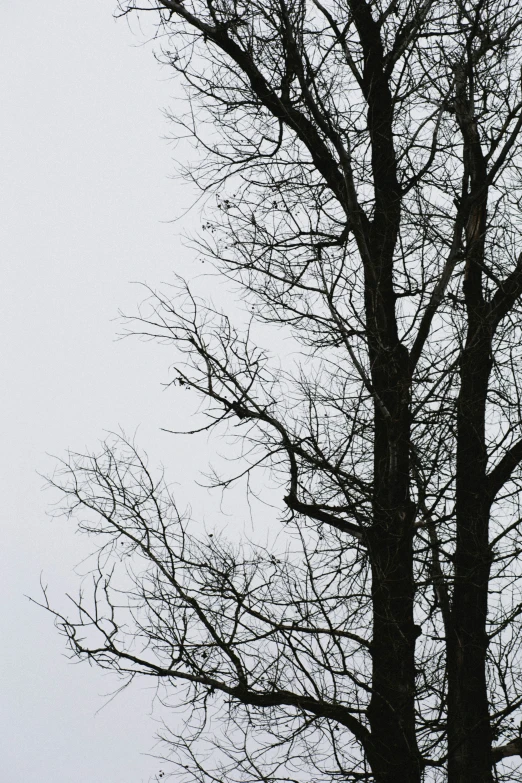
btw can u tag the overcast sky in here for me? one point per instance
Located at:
(86, 201)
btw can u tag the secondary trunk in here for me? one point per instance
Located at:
(469, 732)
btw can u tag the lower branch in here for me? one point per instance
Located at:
(513, 748)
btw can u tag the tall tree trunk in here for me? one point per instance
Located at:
(469, 733)
(394, 754)
(391, 711)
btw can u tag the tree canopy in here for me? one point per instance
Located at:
(363, 158)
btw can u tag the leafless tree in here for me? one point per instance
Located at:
(364, 158)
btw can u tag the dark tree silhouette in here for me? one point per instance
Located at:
(365, 159)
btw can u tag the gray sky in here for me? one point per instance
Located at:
(85, 200)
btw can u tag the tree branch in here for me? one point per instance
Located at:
(315, 512)
(501, 473)
(507, 294)
(513, 748)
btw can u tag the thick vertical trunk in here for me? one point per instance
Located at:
(469, 733)
(393, 754)
(391, 711)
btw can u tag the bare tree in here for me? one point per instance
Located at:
(364, 157)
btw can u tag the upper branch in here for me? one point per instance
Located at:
(314, 511)
(438, 291)
(507, 294)
(282, 108)
(408, 33)
(376, 89)
(502, 472)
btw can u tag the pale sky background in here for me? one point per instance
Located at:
(86, 201)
